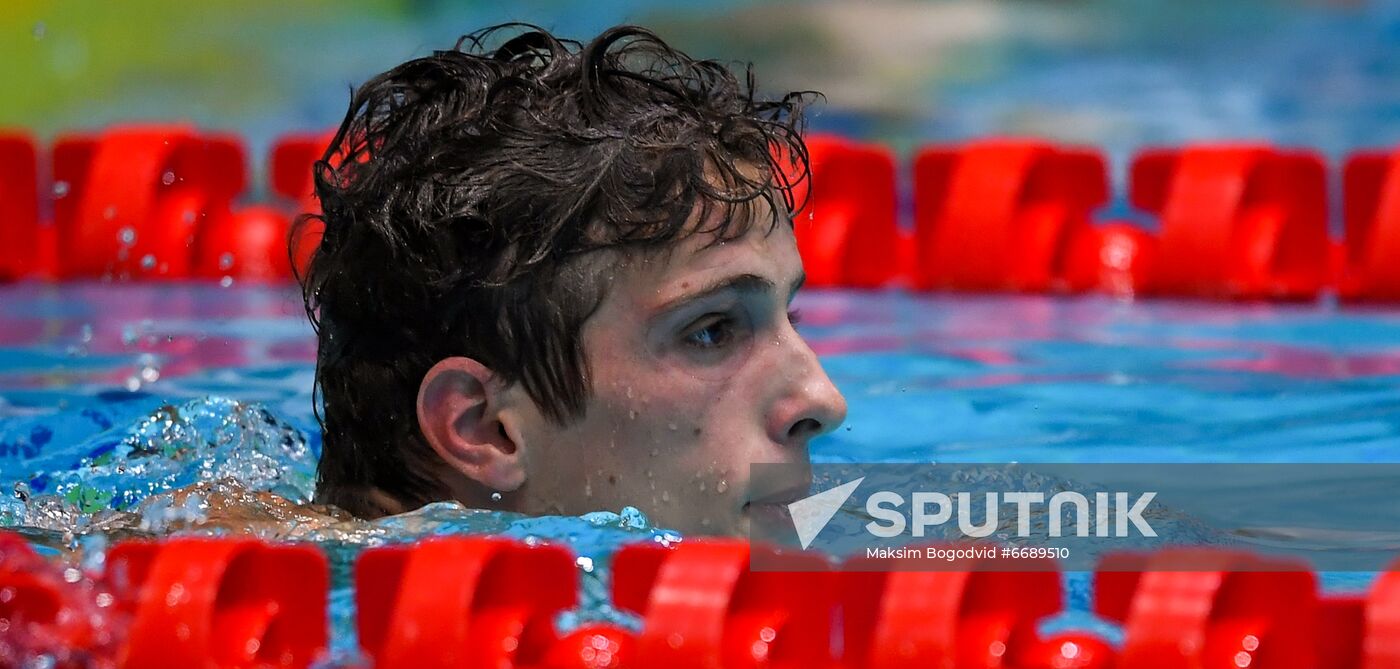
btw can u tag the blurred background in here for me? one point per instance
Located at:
(1117, 74)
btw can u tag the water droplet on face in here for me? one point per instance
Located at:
(496, 497)
(655, 452)
(127, 235)
(722, 486)
(60, 189)
(148, 261)
(167, 178)
(671, 427)
(225, 261)
(632, 414)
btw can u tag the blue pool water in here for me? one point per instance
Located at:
(113, 395)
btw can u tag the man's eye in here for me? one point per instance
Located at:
(712, 332)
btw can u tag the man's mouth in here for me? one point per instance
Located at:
(768, 513)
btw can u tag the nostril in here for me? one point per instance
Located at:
(807, 427)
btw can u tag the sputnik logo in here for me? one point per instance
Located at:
(811, 514)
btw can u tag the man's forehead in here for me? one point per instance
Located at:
(764, 250)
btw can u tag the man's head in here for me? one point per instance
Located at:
(561, 272)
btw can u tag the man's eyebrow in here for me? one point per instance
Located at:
(743, 283)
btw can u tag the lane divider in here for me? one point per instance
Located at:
(1232, 221)
(492, 602)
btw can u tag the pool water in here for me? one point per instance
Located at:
(114, 395)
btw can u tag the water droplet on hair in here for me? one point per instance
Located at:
(167, 178)
(60, 189)
(722, 486)
(225, 261)
(496, 497)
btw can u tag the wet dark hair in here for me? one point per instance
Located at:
(465, 199)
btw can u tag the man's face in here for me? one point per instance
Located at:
(697, 372)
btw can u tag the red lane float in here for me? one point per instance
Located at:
(1370, 265)
(1363, 631)
(134, 198)
(847, 230)
(956, 619)
(1237, 221)
(702, 606)
(1113, 258)
(292, 167)
(1227, 609)
(20, 247)
(1000, 215)
(249, 244)
(462, 602)
(220, 603)
(45, 614)
(292, 162)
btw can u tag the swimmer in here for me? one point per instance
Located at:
(555, 278)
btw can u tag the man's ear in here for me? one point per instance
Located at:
(458, 404)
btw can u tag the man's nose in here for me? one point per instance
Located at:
(810, 405)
